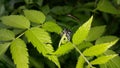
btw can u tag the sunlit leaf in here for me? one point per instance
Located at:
(113, 63)
(106, 39)
(99, 48)
(17, 21)
(52, 27)
(102, 59)
(19, 53)
(80, 62)
(64, 49)
(41, 40)
(95, 33)
(6, 35)
(38, 37)
(35, 16)
(82, 32)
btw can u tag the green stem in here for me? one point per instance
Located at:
(20, 35)
(83, 56)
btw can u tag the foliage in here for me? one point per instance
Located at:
(59, 34)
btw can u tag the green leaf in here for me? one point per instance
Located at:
(102, 59)
(106, 6)
(7, 60)
(106, 39)
(52, 27)
(41, 40)
(113, 63)
(95, 33)
(45, 9)
(6, 35)
(35, 16)
(82, 32)
(3, 48)
(61, 10)
(99, 48)
(84, 45)
(80, 62)
(19, 53)
(54, 59)
(63, 49)
(38, 37)
(17, 21)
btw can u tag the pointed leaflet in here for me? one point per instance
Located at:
(17, 21)
(35, 16)
(19, 53)
(52, 27)
(105, 39)
(98, 49)
(102, 59)
(63, 49)
(41, 40)
(54, 59)
(6, 35)
(80, 62)
(82, 32)
(3, 48)
(113, 63)
(95, 33)
(106, 6)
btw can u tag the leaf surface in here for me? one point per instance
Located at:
(6, 35)
(105, 39)
(95, 33)
(102, 59)
(64, 49)
(3, 48)
(35, 16)
(52, 27)
(82, 32)
(19, 53)
(113, 63)
(16, 21)
(99, 48)
(80, 62)
(41, 40)
(106, 6)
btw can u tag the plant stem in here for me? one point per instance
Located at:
(20, 35)
(83, 56)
